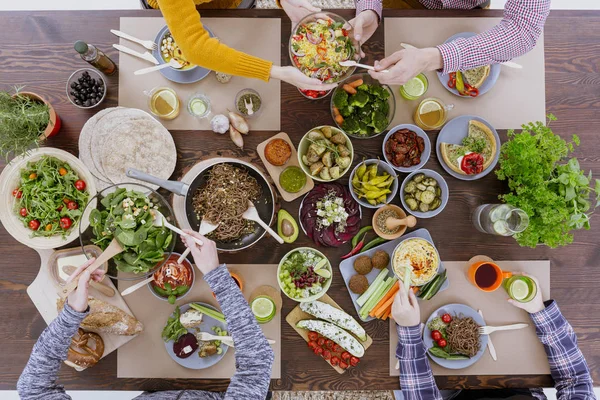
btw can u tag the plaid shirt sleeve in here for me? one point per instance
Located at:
(567, 365)
(514, 36)
(375, 5)
(416, 378)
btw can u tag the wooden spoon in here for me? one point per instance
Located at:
(251, 214)
(112, 250)
(392, 223)
(101, 287)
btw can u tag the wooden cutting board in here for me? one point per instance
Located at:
(275, 171)
(298, 315)
(43, 293)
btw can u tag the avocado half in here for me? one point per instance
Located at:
(287, 227)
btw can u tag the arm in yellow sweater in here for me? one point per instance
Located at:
(200, 49)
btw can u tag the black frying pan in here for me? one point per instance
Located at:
(264, 205)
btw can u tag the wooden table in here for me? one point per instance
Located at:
(37, 50)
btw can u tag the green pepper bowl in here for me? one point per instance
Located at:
(88, 236)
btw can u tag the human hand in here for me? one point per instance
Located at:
(405, 309)
(405, 64)
(534, 305)
(206, 257)
(298, 9)
(293, 76)
(363, 27)
(78, 299)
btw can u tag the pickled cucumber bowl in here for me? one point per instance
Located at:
(419, 182)
(304, 274)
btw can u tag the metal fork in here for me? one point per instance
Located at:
(149, 44)
(486, 330)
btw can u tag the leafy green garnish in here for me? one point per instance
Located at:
(476, 145)
(555, 194)
(174, 329)
(128, 217)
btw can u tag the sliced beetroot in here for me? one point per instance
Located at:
(329, 239)
(351, 221)
(184, 341)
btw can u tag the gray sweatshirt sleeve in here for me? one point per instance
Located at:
(38, 380)
(253, 354)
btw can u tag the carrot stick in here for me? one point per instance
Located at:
(387, 314)
(336, 111)
(389, 295)
(356, 83)
(387, 304)
(349, 89)
(339, 119)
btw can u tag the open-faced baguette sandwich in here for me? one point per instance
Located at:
(475, 154)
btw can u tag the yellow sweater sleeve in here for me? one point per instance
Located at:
(199, 48)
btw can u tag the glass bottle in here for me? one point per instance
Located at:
(95, 57)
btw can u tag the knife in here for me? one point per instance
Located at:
(144, 56)
(490, 344)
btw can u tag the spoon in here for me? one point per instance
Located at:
(172, 64)
(101, 287)
(160, 220)
(351, 63)
(510, 64)
(249, 106)
(205, 228)
(251, 214)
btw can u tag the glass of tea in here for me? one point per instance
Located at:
(487, 276)
(163, 102)
(431, 113)
(520, 288)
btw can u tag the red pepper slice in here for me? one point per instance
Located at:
(356, 249)
(452, 80)
(472, 163)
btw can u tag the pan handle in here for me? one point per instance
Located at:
(176, 187)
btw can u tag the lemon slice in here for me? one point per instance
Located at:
(519, 289)
(263, 308)
(320, 264)
(198, 107)
(429, 106)
(166, 103)
(324, 273)
(415, 87)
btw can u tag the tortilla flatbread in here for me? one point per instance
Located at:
(85, 143)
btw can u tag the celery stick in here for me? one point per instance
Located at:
(363, 311)
(365, 296)
(377, 296)
(207, 311)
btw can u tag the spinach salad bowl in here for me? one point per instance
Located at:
(125, 211)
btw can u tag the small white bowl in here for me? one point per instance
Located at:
(381, 167)
(424, 156)
(303, 149)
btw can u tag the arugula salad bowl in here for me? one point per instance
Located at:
(125, 212)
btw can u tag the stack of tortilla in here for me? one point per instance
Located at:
(119, 138)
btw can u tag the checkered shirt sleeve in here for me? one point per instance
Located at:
(375, 5)
(569, 370)
(416, 378)
(514, 36)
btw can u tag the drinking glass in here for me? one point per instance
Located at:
(500, 219)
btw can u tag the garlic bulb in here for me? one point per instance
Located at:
(219, 123)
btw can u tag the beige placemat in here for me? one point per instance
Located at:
(518, 97)
(146, 356)
(519, 352)
(264, 42)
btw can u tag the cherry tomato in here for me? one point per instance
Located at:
(59, 208)
(354, 361)
(62, 171)
(335, 360)
(337, 348)
(32, 176)
(344, 32)
(48, 228)
(17, 193)
(34, 224)
(313, 335)
(326, 354)
(329, 344)
(442, 343)
(346, 356)
(318, 351)
(312, 344)
(436, 335)
(72, 205)
(23, 212)
(472, 163)
(297, 37)
(79, 185)
(447, 318)
(343, 365)
(65, 223)
(321, 341)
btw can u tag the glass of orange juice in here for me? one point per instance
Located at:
(163, 102)
(431, 113)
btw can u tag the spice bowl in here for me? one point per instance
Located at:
(382, 167)
(96, 77)
(240, 107)
(378, 221)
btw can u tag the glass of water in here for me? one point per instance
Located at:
(500, 219)
(199, 105)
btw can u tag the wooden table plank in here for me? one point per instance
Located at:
(37, 50)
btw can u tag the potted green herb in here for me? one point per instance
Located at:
(549, 186)
(25, 119)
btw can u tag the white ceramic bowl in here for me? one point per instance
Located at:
(439, 262)
(326, 285)
(381, 167)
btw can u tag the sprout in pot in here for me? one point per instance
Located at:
(25, 120)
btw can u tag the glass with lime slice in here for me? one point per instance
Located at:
(199, 105)
(415, 88)
(520, 288)
(263, 308)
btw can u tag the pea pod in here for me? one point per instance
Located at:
(375, 242)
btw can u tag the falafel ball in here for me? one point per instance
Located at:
(380, 259)
(358, 284)
(363, 265)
